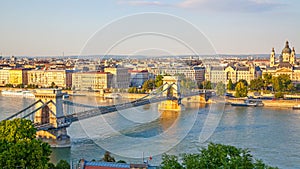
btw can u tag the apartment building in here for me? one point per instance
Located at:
(94, 80)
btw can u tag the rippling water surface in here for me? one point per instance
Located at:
(272, 135)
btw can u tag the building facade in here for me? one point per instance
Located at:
(18, 76)
(137, 77)
(236, 72)
(91, 80)
(285, 64)
(48, 78)
(195, 73)
(4, 77)
(121, 77)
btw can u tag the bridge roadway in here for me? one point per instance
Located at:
(66, 121)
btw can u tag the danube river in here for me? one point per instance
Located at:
(272, 135)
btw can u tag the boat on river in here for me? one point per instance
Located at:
(249, 103)
(113, 96)
(19, 93)
(296, 107)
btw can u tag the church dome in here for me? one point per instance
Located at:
(287, 49)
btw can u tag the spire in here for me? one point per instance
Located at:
(287, 44)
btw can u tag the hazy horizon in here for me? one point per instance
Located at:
(233, 27)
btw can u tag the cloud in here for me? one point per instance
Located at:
(212, 5)
(230, 5)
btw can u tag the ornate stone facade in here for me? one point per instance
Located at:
(285, 64)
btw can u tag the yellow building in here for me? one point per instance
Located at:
(91, 80)
(4, 77)
(48, 78)
(285, 64)
(18, 76)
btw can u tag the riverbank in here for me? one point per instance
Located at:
(279, 103)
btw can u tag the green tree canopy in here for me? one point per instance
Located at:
(256, 84)
(148, 85)
(19, 146)
(170, 162)
(281, 83)
(215, 156)
(159, 80)
(230, 85)
(243, 81)
(108, 158)
(267, 80)
(220, 88)
(206, 85)
(62, 164)
(241, 90)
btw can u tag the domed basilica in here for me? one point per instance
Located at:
(285, 64)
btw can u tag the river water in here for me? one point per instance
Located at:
(272, 135)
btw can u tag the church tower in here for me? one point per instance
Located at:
(272, 58)
(286, 53)
(293, 57)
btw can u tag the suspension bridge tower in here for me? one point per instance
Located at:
(171, 90)
(50, 114)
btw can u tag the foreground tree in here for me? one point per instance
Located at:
(241, 90)
(108, 158)
(170, 162)
(215, 156)
(62, 164)
(19, 147)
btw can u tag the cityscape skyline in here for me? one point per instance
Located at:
(51, 28)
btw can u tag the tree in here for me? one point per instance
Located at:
(281, 83)
(148, 85)
(220, 89)
(230, 85)
(170, 162)
(291, 87)
(121, 161)
(243, 81)
(62, 164)
(256, 84)
(206, 85)
(19, 146)
(52, 85)
(267, 80)
(159, 80)
(108, 158)
(215, 156)
(241, 90)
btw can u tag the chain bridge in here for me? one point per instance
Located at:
(51, 114)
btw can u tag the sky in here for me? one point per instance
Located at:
(54, 27)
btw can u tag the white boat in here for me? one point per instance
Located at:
(66, 95)
(297, 107)
(249, 103)
(113, 96)
(20, 93)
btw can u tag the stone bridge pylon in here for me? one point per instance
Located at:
(50, 114)
(171, 90)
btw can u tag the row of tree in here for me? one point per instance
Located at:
(278, 84)
(214, 156)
